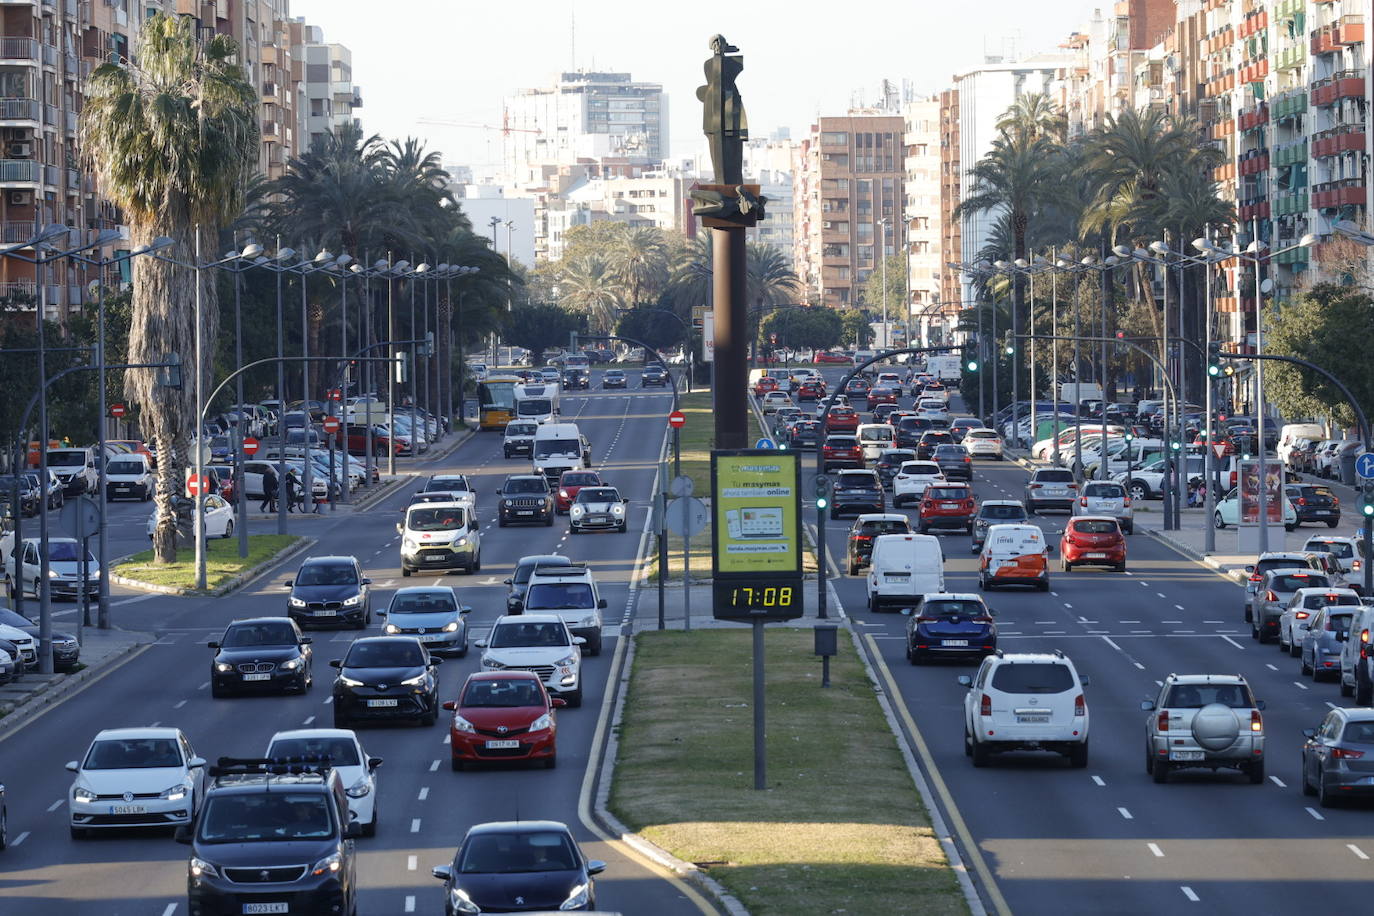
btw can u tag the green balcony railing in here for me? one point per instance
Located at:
(1291, 154)
(1288, 104)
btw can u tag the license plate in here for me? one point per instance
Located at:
(1032, 720)
(1321, 511)
(525, 512)
(1185, 755)
(380, 704)
(501, 745)
(121, 487)
(257, 677)
(897, 577)
(1095, 556)
(433, 559)
(266, 908)
(956, 642)
(433, 637)
(128, 809)
(326, 613)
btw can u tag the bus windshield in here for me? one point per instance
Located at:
(498, 394)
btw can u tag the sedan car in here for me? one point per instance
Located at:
(949, 625)
(501, 716)
(357, 771)
(518, 866)
(598, 508)
(135, 777)
(431, 614)
(329, 591)
(219, 518)
(386, 677)
(1338, 756)
(261, 653)
(856, 491)
(1092, 540)
(1228, 512)
(613, 378)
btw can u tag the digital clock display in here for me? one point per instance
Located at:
(780, 597)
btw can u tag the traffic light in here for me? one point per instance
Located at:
(1214, 359)
(822, 493)
(1366, 502)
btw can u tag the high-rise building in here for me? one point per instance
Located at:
(921, 187)
(331, 98)
(951, 177)
(768, 163)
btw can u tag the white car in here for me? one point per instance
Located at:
(458, 486)
(64, 569)
(1302, 607)
(839, 400)
(219, 518)
(135, 777)
(912, 478)
(24, 642)
(598, 508)
(772, 400)
(357, 771)
(1228, 512)
(540, 643)
(439, 536)
(129, 477)
(1026, 701)
(1345, 549)
(983, 443)
(932, 407)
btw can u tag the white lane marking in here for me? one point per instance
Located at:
(1357, 851)
(1067, 605)
(410, 903)
(444, 740)
(1043, 623)
(1113, 645)
(1208, 621)
(57, 804)
(1160, 594)
(156, 724)
(203, 686)
(328, 700)
(424, 793)
(19, 839)
(1234, 643)
(1124, 813)
(1188, 892)
(1171, 621)
(1098, 780)
(1316, 815)
(1146, 584)
(1179, 607)
(434, 765)
(1054, 594)
(1129, 573)
(133, 600)
(1300, 685)
(171, 908)
(1278, 782)
(1140, 666)
(412, 862)
(308, 720)
(388, 583)
(1154, 848)
(414, 825)
(1270, 667)
(179, 704)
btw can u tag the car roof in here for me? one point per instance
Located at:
(1207, 679)
(314, 733)
(1037, 658)
(1003, 502)
(952, 596)
(425, 590)
(882, 517)
(253, 620)
(1285, 555)
(527, 618)
(856, 472)
(1333, 590)
(147, 731)
(1332, 539)
(1293, 570)
(1092, 518)
(537, 558)
(517, 827)
(503, 673)
(331, 559)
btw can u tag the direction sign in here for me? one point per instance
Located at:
(765, 443)
(687, 517)
(677, 419)
(117, 410)
(250, 446)
(197, 483)
(1364, 465)
(331, 425)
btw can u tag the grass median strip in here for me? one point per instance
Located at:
(222, 561)
(840, 828)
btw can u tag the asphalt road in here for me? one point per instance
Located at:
(1106, 838)
(425, 808)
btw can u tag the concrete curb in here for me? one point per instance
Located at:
(242, 579)
(56, 691)
(1235, 575)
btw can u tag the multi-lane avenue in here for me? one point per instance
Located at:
(425, 808)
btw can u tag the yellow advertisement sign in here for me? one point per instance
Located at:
(757, 507)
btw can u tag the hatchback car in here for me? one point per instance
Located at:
(613, 378)
(1106, 498)
(772, 400)
(981, 443)
(810, 390)
(1209, 721)
(1300, 611)
(1338, 756)
(841, 419)
(386, 678)
(1092, 540)
(431, 614)
(330, 590)
(842, 452)
(953, 461)
(856, 491)
(518, 866)
(804, 434)
(882, 395)
(261, 653)
(135, 777)
(995, 512)
(1228, 512)
(1051, 488)
(890, 461)
(598, 508)
(1322, 641)
(911, 481)
(357, 771)
(568, 485)
(859, 544)
(501, 716)
(1344, 549)
(1026, 701)
(946, 505)
(944, 625)
(929, 441)
(960, 426)
(1272, 596)
(1314, 503)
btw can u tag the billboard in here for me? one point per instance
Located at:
(756, 545)
(1250, 491)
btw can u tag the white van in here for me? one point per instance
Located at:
(904, 567)
(129, 477)
(557, 448)
(1290, 433)
(1357, 658)
(1014, 555)
(874, 439)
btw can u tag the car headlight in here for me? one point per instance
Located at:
(200, 868)
(353, 601)
(415, 681)
(507, 503)
(566, 661)
(223, 667)
(173, 793)
(463, 725)
(391, 628)
(295, 602)
(349, 682)
(359, 789)
(577, 898)
(588, 621)
(328, 865)
(460, 541)
(83, 795)
(577, 510)
(461, 902)
(491, 663)
(451, 627)
(541, 723)
(563, 493)
(291, 664)
(618, 509)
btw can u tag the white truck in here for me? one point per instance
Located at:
(537, 401)
(1078, 392)
(946, 368)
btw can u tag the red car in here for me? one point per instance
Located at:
(878, 396)
(810, 391)
(1092, 540)
(947, 505)
(842, 452)
(838, 359)
(503, 715)
(569, 484)
(357, 442)
(841, 419)
(765, 385)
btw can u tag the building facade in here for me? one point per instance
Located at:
(331, 99)
(951, 179)
(921, 190)
(768, 163)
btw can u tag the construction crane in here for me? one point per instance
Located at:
(505, 130)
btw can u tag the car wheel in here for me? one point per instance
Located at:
(1347, 690)
(968, 743)
(370, 828)
(405, 571)
(1064, 565)
(548, 522)
(594, 646)
(980, 753)
(1325, 798)
(575, 698)
(1254, 631)
(1290, 527)
(573, 529)
(1364, 691)
(1331, 522)
(1307, 670)
(455, 764)
(853, 569)
(228, 529)
(1078, 755)
(1160, 771)
(501, 521)
(4, 829)
(873, 606)
(217, 692)
(1294, 650)
(1217, 521)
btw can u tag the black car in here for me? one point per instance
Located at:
(950, 625)
(653, 377)
(384, 678)
(890, 461)
(261, 653)
(519, 867)
(859, 551)
(960, 426)
(272, 834)
(930, 439)
(996, 512)
(66, 651)
(613, 378)
(953, 461)
(576, 379)
(856, 491)
(29, 493)
(1314, 503)
(519, 582)
(910, 430)
(804, 434)
(881, 411)
(525, 498)
(330, 591)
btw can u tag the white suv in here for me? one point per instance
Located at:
(568, 592)
(910, 482)
(540, 643)
(1026, 701)
(1204, 720)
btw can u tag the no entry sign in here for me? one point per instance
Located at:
(250, 446)
(677, 419)
(117, 410)
(331, 424)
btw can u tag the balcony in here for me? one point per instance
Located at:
(1254, 162)
(20, 172)
(1224, 172)
(1288, 104)
(1346, 192)
(1287, 9)
(1290, 58)
(1255, 71)
(1222, 82)
(18, 49)
(1253, 23)
(1222, 129)
(1348, 84)
(1252, 209)
(17, 230)
(26, 110)
(271, 130)
(1344, 139)
(1348, 30)
(1290, 258)
(1291, 203)
(1291, 153)
(1253, 118)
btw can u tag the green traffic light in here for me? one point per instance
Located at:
(1367, 508)
(1010, 350)
(821, 502)
(973, 365)
(1214, 370)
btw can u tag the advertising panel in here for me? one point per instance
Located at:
(1250, 490)
(756, 545)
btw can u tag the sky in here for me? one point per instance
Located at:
(457, 59)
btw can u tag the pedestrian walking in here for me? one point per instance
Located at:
(293, 491)
(270, 487)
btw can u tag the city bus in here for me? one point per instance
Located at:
(496, 401)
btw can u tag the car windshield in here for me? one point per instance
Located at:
(841, 442)
(399, 654)
(247, 818)
(11, 619)
(520, 429)
(891, 458)
(1095, 527)
(511, 635)
(559, 596)
(1335, 548)
(946, 493)
(1002, 512)
(1291, 582)
(65, 552)
(516, 853)
(259, 634)
(327, 574)
(950, 451)
(1045, 677)
(598, 495)
(66, 459)
(581, 479)
(341, 751)
(526, 485)
(953, 608)
(444, 518)
(856, 482)
(1196, 696)
(525, 570)
(1339, 623)
(449, 484)
(132, 754)
(503, 693)
(422, 603)
(885, 526)
(124, 467)
(1104, 491)
(921, 468)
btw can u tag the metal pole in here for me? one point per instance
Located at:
(370, 455)
(201, 445)
(760, 734)
(462, 382)
(1054, 350)
(728, 283)
(1014, 357)
(413, 374)
(391, 371)
(882, 248)
(281, 403)
(686, 566)
(240, 489)
(1209, 472)
(1259, 402)
(1170, 486)
(1077, 381)
(661, 519)
(44, 589)
(102, 544)
(344, 494)
(1030, 321)
(307, 475)
(822, 598)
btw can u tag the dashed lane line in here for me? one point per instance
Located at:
(1155, 850)
(1188, 892)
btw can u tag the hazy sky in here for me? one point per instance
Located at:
(457, 59)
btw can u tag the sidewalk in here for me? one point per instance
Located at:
(100, 650)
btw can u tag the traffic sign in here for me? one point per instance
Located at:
(680, 486)
(1219, 448)
(197, 483)
(1364, 465)
(250, 446)
(687, 517)
(117, 410)
(677, 419)
(331, 425)
(335, 394)
(765, 443)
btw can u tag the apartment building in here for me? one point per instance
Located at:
(848, 176)
(331, 98)
(921, 188)
(768, 163)
(951, 175)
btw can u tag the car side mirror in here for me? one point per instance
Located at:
(1147, 705)
(336, 663)
(195, 762)
(505, 581)
(367, 581)
(965, 681)
(450, 705)
(381, 613)
(353, 831)
(1250, 569)
(1084, 680)
(307, 640)
(472, 525)
(1309, 733)
(435, 660)
(442, 872)
(517, 604)
(481, 643)
(579, 641)
(601, 604)
(465, 609)
(399, 528)
(558, 702)
(289, 583)
(1049, 549)
(183, 834)
(72, 765)
(595, 867)
(1259, 704)
(374, 762)
(906, 612)
(212, 645)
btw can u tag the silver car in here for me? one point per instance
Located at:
(1302, 607)
(1323, 639)
(1210, 721)
(1109, 499)
(1338, 757)
(1051, 488)
(1273, 560)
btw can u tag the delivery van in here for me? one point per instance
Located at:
(904, 567)
(1014, 555)
(874, 439)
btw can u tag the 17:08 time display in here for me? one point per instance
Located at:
(766, 596)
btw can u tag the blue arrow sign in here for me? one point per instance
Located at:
(769, 443)
(1364, 465)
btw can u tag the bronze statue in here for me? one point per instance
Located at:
(723, 119)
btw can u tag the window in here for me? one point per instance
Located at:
(865, 252)
(1033, 678)
(834, 138)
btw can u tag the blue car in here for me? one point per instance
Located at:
(949, 624)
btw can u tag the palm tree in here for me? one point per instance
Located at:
(1035, 115)
(172, 136)
(639, 262)
(587, 285)
(689, 281)
(335, 193)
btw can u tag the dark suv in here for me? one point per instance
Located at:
(910, 430)
(930, 440)
(386, 677)
(329, 591)
(576, 379)
(525, 498)
(519, 582)
(261, 653)
(954, 461)
(856, 491)
(859, 552)
(272, 837)
(653, 376)
(1314, 503)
